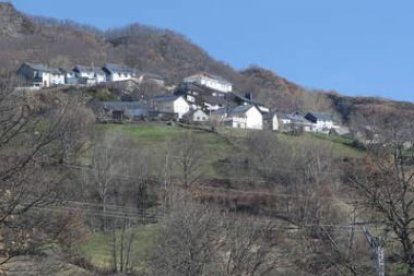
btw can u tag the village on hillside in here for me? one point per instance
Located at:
(202, 98)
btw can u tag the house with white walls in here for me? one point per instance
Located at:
(89, 75)
(196, 116)
(40, 75)
(244, 116)
(322, 122)
(294, 122)
(210, 81)
(126, 110)
(150, 78)
(118, 72)
(270, 121)
(171, 104)
(70, 76)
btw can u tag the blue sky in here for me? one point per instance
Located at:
(355, 47)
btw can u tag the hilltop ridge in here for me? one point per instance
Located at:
(160, 51)
(13, 23)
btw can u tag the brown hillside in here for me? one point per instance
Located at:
(282, 94)
(171, 55)
(24, 39)
(14, 24)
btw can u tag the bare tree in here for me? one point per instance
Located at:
(190, 158)
(308, 176)
(247, 246)
(122, 243)
(384, 181)
(185, 245)
(109, 167)
(32, 172)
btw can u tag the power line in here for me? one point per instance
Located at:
(358, 226)
(235, 191)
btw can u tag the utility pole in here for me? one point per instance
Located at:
(377, 251)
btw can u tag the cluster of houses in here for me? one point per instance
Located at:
(200, 98)
(40, 75)
(208, 99)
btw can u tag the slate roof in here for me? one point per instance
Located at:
(212, 100)
(323, 116)
(211, 76)
(124, 105)
(118, 68)
(221, 111)
(166, 98)
(137, 112)
(236, 96)
(295, 117)
(240, 110)
(88, 69)
(42, 68)
(185, 86)
(65, 70)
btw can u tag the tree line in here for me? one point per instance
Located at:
(302, 211)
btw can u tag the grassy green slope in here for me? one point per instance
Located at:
(98, 250)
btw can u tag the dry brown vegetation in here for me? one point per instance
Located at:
(281, 209)
(164, 52)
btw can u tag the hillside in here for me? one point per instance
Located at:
(160, 51)
(155, 197)
(25, 39)
(13, 24)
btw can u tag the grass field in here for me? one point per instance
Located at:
(98, 250)
(339, 146)
(155, 137)
(158, 137)
(153, 133)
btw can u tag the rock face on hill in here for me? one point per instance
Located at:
(14, 24)
(22, 38)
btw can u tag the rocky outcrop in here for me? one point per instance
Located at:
(13, 23)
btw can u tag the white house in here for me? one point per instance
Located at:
(41, 75)
(210, 81)
(197, 115)
(294, 121)
(89, 75)
(341, 131)
(322, 122)
(271, 120)
(149, 77)
(117, 72)
(123, 110)
(172, 104)
(245, 116)
(70, 76)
